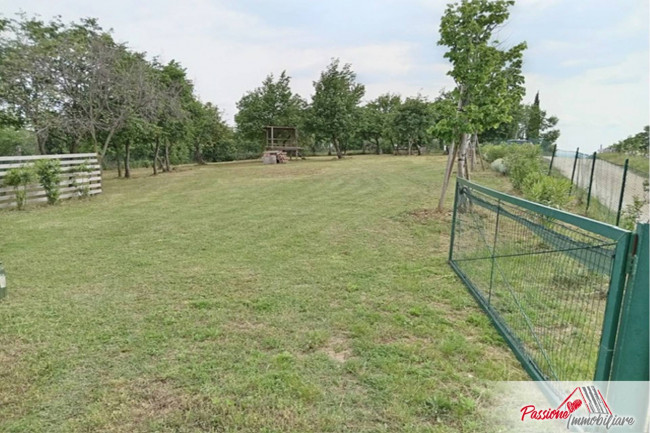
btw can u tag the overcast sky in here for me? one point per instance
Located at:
(587, 58)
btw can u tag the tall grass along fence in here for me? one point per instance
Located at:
(80, 175)
(608, 192)
(569, 294)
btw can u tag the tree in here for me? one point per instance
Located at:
(271, 104)
(443, 113)
(334, 106)
(27, 88)
(412, 122)
(528, 122)
(376, 119)
(209, 133)
(488, 79)
(534, 123)
(634, 144)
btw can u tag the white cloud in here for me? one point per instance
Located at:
(596, 106)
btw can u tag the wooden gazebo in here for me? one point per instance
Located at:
(283, 138)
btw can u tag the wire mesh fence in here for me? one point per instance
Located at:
(544, 281)
(607, 192)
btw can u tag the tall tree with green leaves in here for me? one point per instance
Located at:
(335, 104)
(273, 103)
(534, 123)
(27, 88)
(376, 119)
(488, 78)
(412, 122)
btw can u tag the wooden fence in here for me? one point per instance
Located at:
(73, 183)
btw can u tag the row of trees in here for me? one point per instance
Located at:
(634, 144)
(76, 89)
(73, 88)
(335, 117)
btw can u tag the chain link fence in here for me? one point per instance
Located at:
(608, 192)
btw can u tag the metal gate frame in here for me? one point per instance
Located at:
(624, 337)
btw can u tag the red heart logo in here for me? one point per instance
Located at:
(573, 405)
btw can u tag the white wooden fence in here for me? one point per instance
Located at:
(72, 182)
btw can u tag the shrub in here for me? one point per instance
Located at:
(19, 178)
(521, 161)
(550, 191)
(492, 152)
(49, 174)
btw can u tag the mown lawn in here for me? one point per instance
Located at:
(311, 296)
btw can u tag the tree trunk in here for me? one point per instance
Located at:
(337, 147)
(417, 148)
(478, 154)
(167, 164)
(462, 156)
(451, 156)
(155, 156)
(198, 157)
(40, 140)
(74, 146)
(410, 147)
(378, 146)
(127, 157)
(119, 165)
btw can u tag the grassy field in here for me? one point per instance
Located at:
(311, 296)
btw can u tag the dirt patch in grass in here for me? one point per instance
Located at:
(338, 349)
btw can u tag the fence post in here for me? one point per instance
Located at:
(620, 200)
(573, 172)
(613, 308)
(494, 247)
(631, 353)
(550, 166)
(591, 180)
(453, 223)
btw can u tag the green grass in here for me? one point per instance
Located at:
(638, 163)
(311, 296)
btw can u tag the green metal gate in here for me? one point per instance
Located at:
(552, 282)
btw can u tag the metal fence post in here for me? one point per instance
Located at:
(631, 353)
(453, 223)
(620, 200)
(573, 172)
(494, 247)
(613, 308)
(591, 180)
(550, 166)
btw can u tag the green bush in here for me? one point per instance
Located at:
(521, 161)
(19, 178)
(550, 191)
(492, 152)
(49, 174)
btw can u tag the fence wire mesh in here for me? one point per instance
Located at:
(604, 190)
(545, 281)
